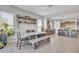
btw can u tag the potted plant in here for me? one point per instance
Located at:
(7, 32)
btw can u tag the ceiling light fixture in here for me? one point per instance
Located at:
(50, 5)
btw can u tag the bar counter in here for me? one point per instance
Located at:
(67, 32)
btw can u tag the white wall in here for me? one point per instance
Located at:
(56, 26)
(45, 23)
(23, 27)
(39, 25)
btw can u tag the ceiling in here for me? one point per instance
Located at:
(50, 10)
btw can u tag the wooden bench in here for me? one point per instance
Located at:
(34, 42)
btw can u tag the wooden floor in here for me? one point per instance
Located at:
(58, 44)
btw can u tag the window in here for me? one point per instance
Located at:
(7, 17)
(6, 23)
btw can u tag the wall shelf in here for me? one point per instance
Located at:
(26, 19)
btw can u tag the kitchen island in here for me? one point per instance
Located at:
(67, 32)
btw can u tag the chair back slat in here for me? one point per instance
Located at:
(18, 35)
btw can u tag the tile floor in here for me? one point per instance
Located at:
(58, 44)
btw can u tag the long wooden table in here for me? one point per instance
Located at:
(32, 34)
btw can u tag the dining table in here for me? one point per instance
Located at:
(29, 35)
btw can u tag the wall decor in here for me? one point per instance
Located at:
(26, 19)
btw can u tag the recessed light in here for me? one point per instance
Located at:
(42, 7)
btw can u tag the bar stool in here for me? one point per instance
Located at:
(66, 33)
(60, 32)
(73, 33)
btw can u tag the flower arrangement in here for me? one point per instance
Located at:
(6, 28)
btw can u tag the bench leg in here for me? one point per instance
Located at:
(20, 45)
(17, 44)
(49, 39)
(35, 46)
